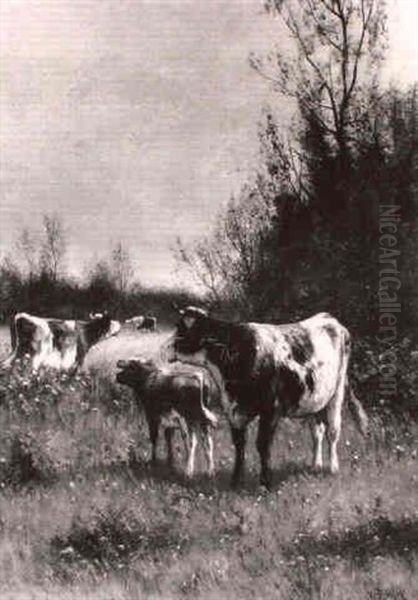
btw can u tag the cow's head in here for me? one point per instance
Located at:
(191, 332)
(100, 325)
(134, 372)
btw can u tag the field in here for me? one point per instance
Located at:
(83, 516)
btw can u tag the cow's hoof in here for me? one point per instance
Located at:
(265, 481)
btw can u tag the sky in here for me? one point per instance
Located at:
(135, 120)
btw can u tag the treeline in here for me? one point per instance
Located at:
(66, 298)
(305, 234)
(33, 279)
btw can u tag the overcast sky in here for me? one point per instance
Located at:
(134, 120)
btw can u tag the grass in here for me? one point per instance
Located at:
(83, 516)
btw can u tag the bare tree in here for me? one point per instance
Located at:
(226, 262)
(121, 267)
(53, 246)
(28, 252)
(332, 75)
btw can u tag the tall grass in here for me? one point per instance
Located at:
(83, 515)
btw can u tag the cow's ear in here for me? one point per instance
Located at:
(177, 308)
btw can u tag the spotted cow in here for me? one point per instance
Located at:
(273, 371)
(56, 343)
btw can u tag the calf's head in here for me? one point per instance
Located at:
(134, 372)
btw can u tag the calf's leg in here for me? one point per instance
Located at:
(191, 453)
(169, 434)
(207, 443)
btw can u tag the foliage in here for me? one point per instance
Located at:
(50, 425)
(322, 184)
(366, 371)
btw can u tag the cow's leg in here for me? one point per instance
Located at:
(207, 442)
(318, 432)
(153, 426)
(191, 453)
(266, 429)
(333, 434)
(239, 438)
(168, 434)
(333, 425)
(37, 361)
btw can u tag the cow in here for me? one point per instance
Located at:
(135, 322)
(273, 371)
(173, 394)
(56, 343)
(143, 323)
(149, 324)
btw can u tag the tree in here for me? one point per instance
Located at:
(333, 74)
(53, 247)
(121, 267)
(228, 263)
(100, 287)
(10, 287)
(28, 251)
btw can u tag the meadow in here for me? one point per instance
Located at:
(83, 515)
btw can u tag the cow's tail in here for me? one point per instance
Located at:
(357, 411)
(8, 361)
